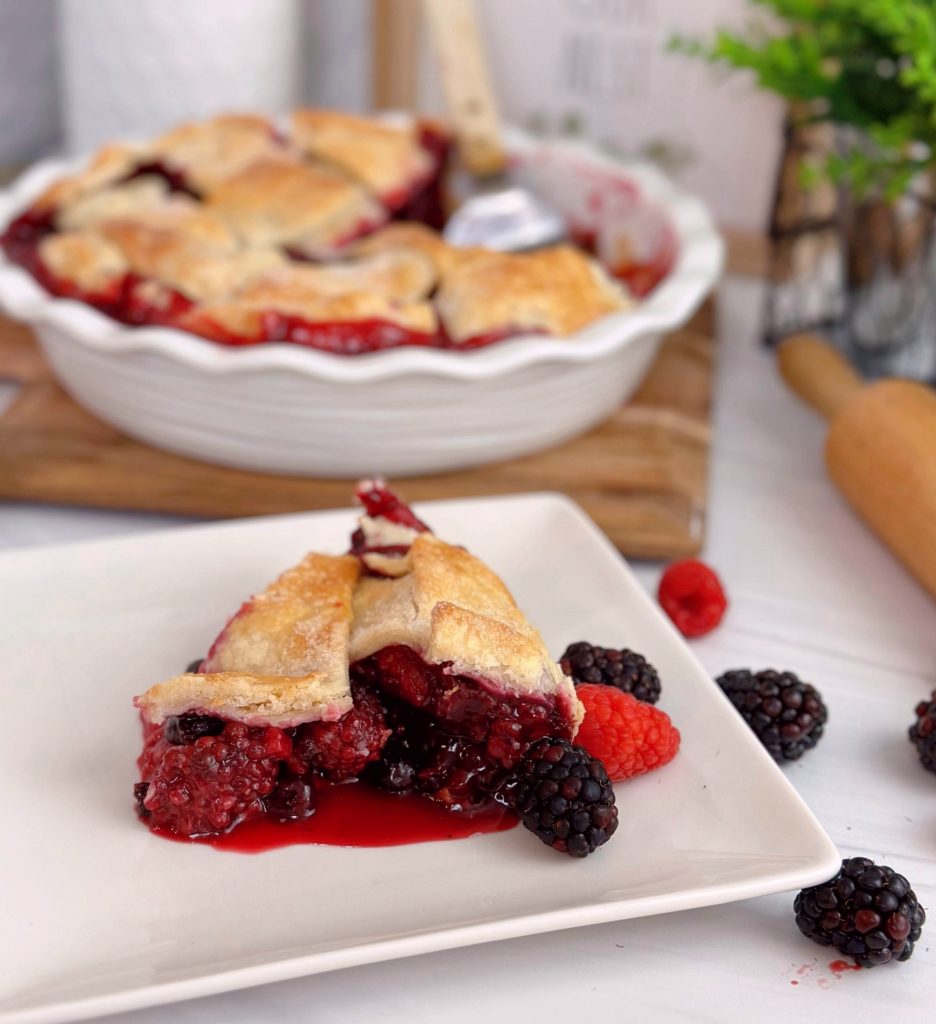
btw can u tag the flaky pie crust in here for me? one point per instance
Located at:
(558, 290)
(284, 657)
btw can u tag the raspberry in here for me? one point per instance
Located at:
(692, 596)
(563, 795)
(628, 736)
(625, 669)
(208, 786)
(867, 912)
(341, 750)
(923, 732)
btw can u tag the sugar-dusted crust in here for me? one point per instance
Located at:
(386, 158)
(410, 237)
(256, 700)
(123, 201)
(558, 290)
(399, 276)
(299, 624)
(205, 265)
(178, 217)
(109, 164)
(83, 258)
(207, 152)
(453, 610)
(297, 629)
(281, 201)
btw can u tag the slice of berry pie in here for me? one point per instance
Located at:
(404, 667)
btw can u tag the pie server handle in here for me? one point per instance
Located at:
(469, 95)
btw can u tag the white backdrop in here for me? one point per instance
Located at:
(602, 66)
(597, 66)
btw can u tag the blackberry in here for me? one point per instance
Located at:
(194, 666)
(292, 799)
(787, 715)
(182, 729)
(564, 795)
(139, 795)
(867, 912)
(395, 770)
(923, 732)
(627, 670)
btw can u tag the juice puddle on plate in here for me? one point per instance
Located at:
(357, 815)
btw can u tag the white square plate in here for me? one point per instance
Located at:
(100, 916)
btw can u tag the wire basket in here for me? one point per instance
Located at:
(859, 270)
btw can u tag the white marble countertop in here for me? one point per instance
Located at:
(812, 591)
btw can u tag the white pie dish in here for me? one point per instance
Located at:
(287, 409)
(106, 917)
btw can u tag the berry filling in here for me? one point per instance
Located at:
(175, 179)
(493, 336)
(346, 338)
(352, 337)
(415, 728)
(208, 785)
(21, 239)
(342, 750)
(382, 507)
(454, 739)
(131, 299)
(381, 503)
(424, 200)
(293, 799)
(181, 730)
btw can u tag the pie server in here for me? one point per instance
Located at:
(494, 211)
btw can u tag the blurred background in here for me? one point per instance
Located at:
(807, 129)
(75, 74)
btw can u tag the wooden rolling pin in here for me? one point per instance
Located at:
(880, 449)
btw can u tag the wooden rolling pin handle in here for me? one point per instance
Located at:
(818, 373)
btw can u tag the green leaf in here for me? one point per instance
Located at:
(868, 65)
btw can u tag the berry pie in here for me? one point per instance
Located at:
(403, 669)
(244, 234)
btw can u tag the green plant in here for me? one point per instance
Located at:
(866, 65)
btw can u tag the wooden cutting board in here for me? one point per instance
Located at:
(641, 475)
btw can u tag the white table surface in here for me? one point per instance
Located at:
(810, 591)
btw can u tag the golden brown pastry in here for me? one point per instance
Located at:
(557, 290)
(282, 659)
(283, 202)
(386, 158)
